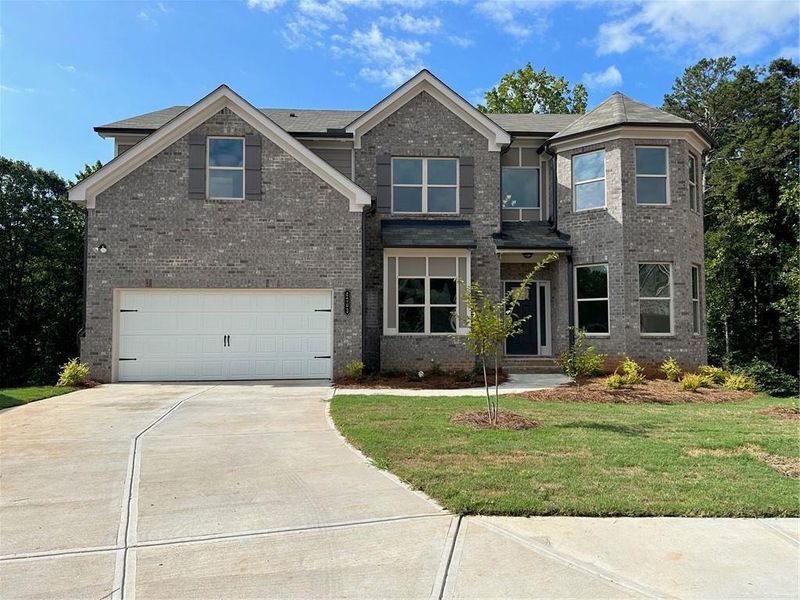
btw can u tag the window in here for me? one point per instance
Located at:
(651, 175)
(225, 168)
(424, 185)
(421, 294)
(696, 300)
(591, 285)
(655, 298)
(520, 180)
(693, 204)
(589, 180)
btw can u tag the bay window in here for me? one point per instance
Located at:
(421, 295)
(655, 298)
(424, 185)
(591, 297)
(651, 175)
(589, 180)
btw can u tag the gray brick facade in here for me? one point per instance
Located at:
(300, 234)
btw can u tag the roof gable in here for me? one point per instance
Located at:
(425, 81)
(185, 121)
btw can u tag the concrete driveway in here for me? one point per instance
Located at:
(246, 491)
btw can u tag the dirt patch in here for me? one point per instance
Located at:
(782, 412)
(445, 381)
(785, 465)
(479, 419)
(657, 391)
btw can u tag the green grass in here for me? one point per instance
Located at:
(584, 459)
(17, 396)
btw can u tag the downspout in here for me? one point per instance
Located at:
(553, 190)
(82, 332)
(363, 284)
(570, 299)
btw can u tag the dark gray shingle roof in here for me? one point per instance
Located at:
(534, 235)
(532, 123)
(418, 233)
(619, 109)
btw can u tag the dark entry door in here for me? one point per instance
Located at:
(525, 342)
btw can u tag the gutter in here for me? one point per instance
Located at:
(553, 190)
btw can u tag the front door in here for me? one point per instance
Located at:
(525, 343)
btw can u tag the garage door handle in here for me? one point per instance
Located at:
(322, 357)
(322, 310)
(226, 341)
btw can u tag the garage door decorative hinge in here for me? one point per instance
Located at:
(128, 310)
(322, 310)
(127, 359)
(322, 357)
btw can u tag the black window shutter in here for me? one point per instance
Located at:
(383, 179)
(252, 167)
(197, 166)
(466, 184)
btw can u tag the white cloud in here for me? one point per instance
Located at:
(603, 79)
(15, 90)
(719, 27)
(518, 18)
(411, 24)
(265, 5)
(792, 52)
(67, 68)
(143, 16)
(459, 41)
(388, 60)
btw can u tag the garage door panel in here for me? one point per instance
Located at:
(178, 335)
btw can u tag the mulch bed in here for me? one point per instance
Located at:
(782, 412)
(479, 419)
(656, 391)
(444, 381)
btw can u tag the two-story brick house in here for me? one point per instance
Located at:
(228, 242)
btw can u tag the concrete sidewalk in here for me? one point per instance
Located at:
(246, 491)
(515, 384)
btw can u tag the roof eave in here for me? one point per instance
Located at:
(658, 125)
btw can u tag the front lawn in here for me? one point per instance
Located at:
(586, 459)
(17, 396)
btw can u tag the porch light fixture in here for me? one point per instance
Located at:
(527, 254)
(102, 249)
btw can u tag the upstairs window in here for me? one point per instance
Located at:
(425, 185)
(693, 203)
(520, 187)
(591, 284)
(655, 298)
(225, 168)
(589, 180)
(651, 175)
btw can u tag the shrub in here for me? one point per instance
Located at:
(770, 380)
(615, 381)
(580, 361)
(691, 382)
(436, 368)
(739, 382)
(714, 374)
(671, 369)
(632, 372)
(355, 369)
(413, 375)
(73, 373)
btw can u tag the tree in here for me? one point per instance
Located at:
(41, 274)
(751, 204)
(491, 323)
(88, 170)
(529, 91)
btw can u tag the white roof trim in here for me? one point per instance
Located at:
(87, 189)
(678, 132)
(425, 81)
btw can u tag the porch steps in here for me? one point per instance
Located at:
(533, 364)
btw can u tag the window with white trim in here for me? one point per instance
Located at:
(425, 185)
(421, 293)
(225, 173)
(652, 182)
(655, 298)
(589, 180)
(591, 297)
(696, 306)
(693, 202)
(520, 180)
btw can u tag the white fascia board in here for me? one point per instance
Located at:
(628, 132)
(86, 190)
(424, 81)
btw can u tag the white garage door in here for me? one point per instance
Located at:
(187, 335)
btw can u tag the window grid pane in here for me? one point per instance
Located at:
(655, 298)
(427, 304)
(425, 185)
(520, 187)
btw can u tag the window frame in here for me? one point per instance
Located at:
(692, 185)
(607, 298)
(425, 185)
(671, 298)
(697, 304)
(519, 166)
(209, 168)
(427, 254)
(665, 177)
(576, 183)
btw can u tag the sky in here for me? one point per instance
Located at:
(67, 66)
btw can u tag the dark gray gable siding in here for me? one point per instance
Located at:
(340, 159)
